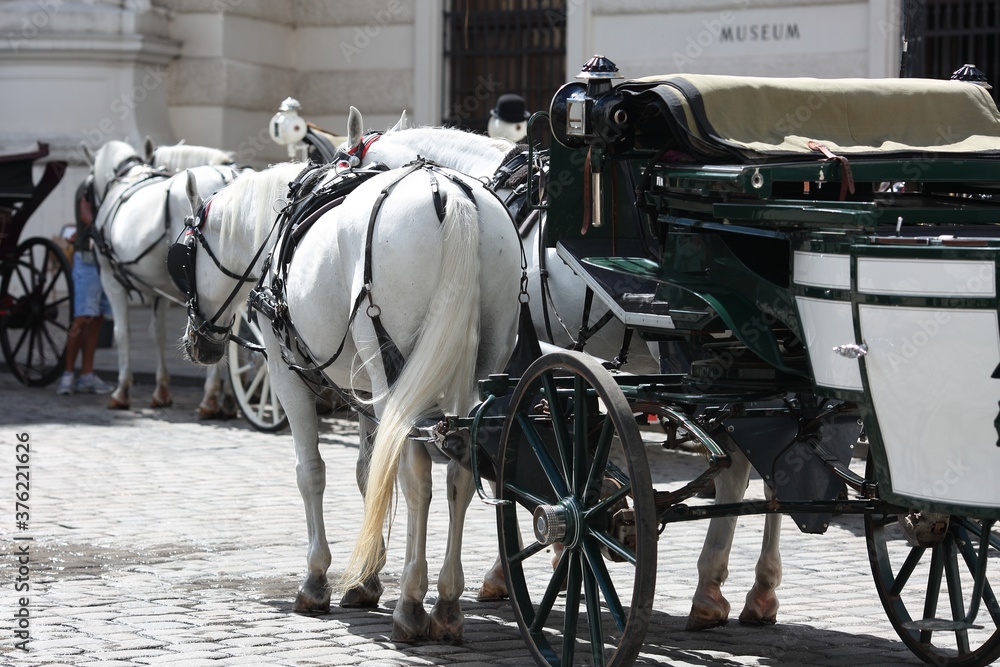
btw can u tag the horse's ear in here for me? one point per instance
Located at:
(355, 128)
(148, 147)
(402, 124)
(88, 153)
(192, 191)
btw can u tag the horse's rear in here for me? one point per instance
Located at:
(444, 269)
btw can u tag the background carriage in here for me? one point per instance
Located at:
(824, 253)
(36, 282)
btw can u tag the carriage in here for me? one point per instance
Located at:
(36, 283)
(812, 261)
(822, 255)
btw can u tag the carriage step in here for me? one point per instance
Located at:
(940, 625)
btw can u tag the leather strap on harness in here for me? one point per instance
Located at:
(270, 300)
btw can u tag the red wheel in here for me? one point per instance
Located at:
(36, 311)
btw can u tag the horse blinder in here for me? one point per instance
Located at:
(180, 263)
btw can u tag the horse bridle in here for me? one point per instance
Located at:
(355, 155)
(181, 267)
(120, 171)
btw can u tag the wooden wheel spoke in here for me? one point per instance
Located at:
(599, 571)
(607, 502)
(593, 601)
(971, 554)
(559, 426)
(580, 432)
(953, 580)
(544, 607)
(613, 544)
(572, 618)
(526, 552)
(933, 591)
(527, 495)
(557, 482)
(903, 576)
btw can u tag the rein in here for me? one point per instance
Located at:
(180, 262)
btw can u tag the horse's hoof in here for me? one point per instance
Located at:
(118, 404)
(410, 623)
(760, 609)
(492, 591)
(365, 595)
(446, 622)
(313, 598)
(160, 402)
(708, 611)
(208, 414)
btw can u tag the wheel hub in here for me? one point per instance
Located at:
(558, 523)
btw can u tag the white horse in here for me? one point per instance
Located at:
(481, 156)
(446, 291)
(141, 211)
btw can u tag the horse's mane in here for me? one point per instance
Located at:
(181, 156)
(247, 204)
(469, 153)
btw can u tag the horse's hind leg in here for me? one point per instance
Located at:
(158, 327)
(120, 398)
(762, 602)
(446, 616)
(409, 620)
(709, 606)
(369, 592)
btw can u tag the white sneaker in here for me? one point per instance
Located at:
(91, 384)
(65, 384)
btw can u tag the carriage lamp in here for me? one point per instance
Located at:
(588, 111)
(287, 127)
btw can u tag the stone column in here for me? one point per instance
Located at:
(74, 71)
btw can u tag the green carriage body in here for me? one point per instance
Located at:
(883, 244)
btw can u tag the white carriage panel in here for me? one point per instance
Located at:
(929, 373)
(818, 269)
(926, 277)
(826, 324)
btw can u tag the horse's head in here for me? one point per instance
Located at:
(217, 258)
(111, 162)
(180, 156)
(206, 335)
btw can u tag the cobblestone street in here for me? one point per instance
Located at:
(156, 539)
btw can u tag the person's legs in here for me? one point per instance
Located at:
(91, 336)
(89, 306)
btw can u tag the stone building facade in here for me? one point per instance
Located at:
(213, 72)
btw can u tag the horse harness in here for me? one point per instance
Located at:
(311, 195)
(120, 268)
(516, 175)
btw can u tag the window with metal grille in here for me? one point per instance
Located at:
(492, 47)
(946, 34)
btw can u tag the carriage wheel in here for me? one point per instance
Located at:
(251, 382)
(578, 539)
(36, 311)
(925, 578)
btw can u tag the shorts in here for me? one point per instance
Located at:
(89, 299)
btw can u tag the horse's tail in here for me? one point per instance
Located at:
(439, 373)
